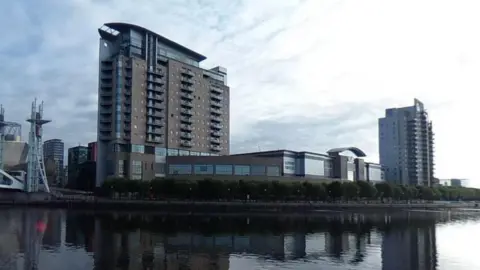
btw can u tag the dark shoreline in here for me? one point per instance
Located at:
(200, 207)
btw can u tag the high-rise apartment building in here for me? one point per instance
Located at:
(406, 145)
(155, 100)
(54, 151)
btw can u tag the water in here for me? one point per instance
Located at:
(58, 239)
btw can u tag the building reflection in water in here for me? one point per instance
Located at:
(164, 243)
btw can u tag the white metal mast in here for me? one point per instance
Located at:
(2, 134)
(36, 166)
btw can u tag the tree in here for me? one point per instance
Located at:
(350, 190)
(385, 190)
(335, 190)
(367, 190)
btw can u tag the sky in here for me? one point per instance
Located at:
(305, 75)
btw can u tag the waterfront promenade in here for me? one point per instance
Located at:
(98, 203)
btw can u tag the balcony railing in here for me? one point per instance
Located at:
(216, 134)
(185, 143)
(186, 112)
(186, 80)
(187, 72)
(187, 128)
(186, 136)
(216, 126)
(187, 120)
(215, 111)
(187, 104)
(187, 88)
(216, 119)
(215, 141)
(217, 90)
(186, 95)
(216, 148)
(216, 104)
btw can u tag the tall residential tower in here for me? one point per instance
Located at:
(155, 100)
(54, 151)
(407, 145)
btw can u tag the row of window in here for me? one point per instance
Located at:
(258, 170)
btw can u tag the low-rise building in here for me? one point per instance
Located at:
(339, 163)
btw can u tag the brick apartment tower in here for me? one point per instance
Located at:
(154, 100)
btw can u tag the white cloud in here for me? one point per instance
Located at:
(331, 64)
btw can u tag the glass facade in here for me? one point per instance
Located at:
(258, 170)
(180, 169)
(138, 148)
(242, 170)
(203, 169)
(224, 169)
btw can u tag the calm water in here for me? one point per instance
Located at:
(57, 239)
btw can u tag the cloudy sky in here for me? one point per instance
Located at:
(304, 74)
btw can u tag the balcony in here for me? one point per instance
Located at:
(152, 79)
(106, 76)
(187, 72)
(128, 102)
(106, 85)
(105, 128)
(215, 148)
(186, 80)
(105, 111)
(157, 72)
(186, 120)
(186, 112)
(128, 83)
(185, 143)
(186, 136)
(128, 93)
(128, 75)
(186, 88)
(106, 67)
(216, 134)
(158, 98)
(127, 128)
(154, 139)
(216, 90)
(186, 104)
(154, 113)
(155, 131)
(216, 119)
(105, 120)
(215, 104)
(216, 98)
(215, 111)
(126, 137)
(106, 102)
(186, 96)
(156, 105)
(156, 123)
(186, 128)
(216, 126)
(127, 120)
(106, 94)
(215, 141)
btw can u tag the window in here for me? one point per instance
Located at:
(204, 154)
(136, 169)
(180, 169)
(273, 171)
(159, 168)
(192, 153)
(172, 152)
(224, 169)
(136, 148)
(203, 169)
(242, 170)
(258, 170)
(121, 167)
(183, 152)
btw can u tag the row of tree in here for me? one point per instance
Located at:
(209, 189)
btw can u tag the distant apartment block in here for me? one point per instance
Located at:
(154, 98)
(76, 157)
(406, 144)
(54, 151)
